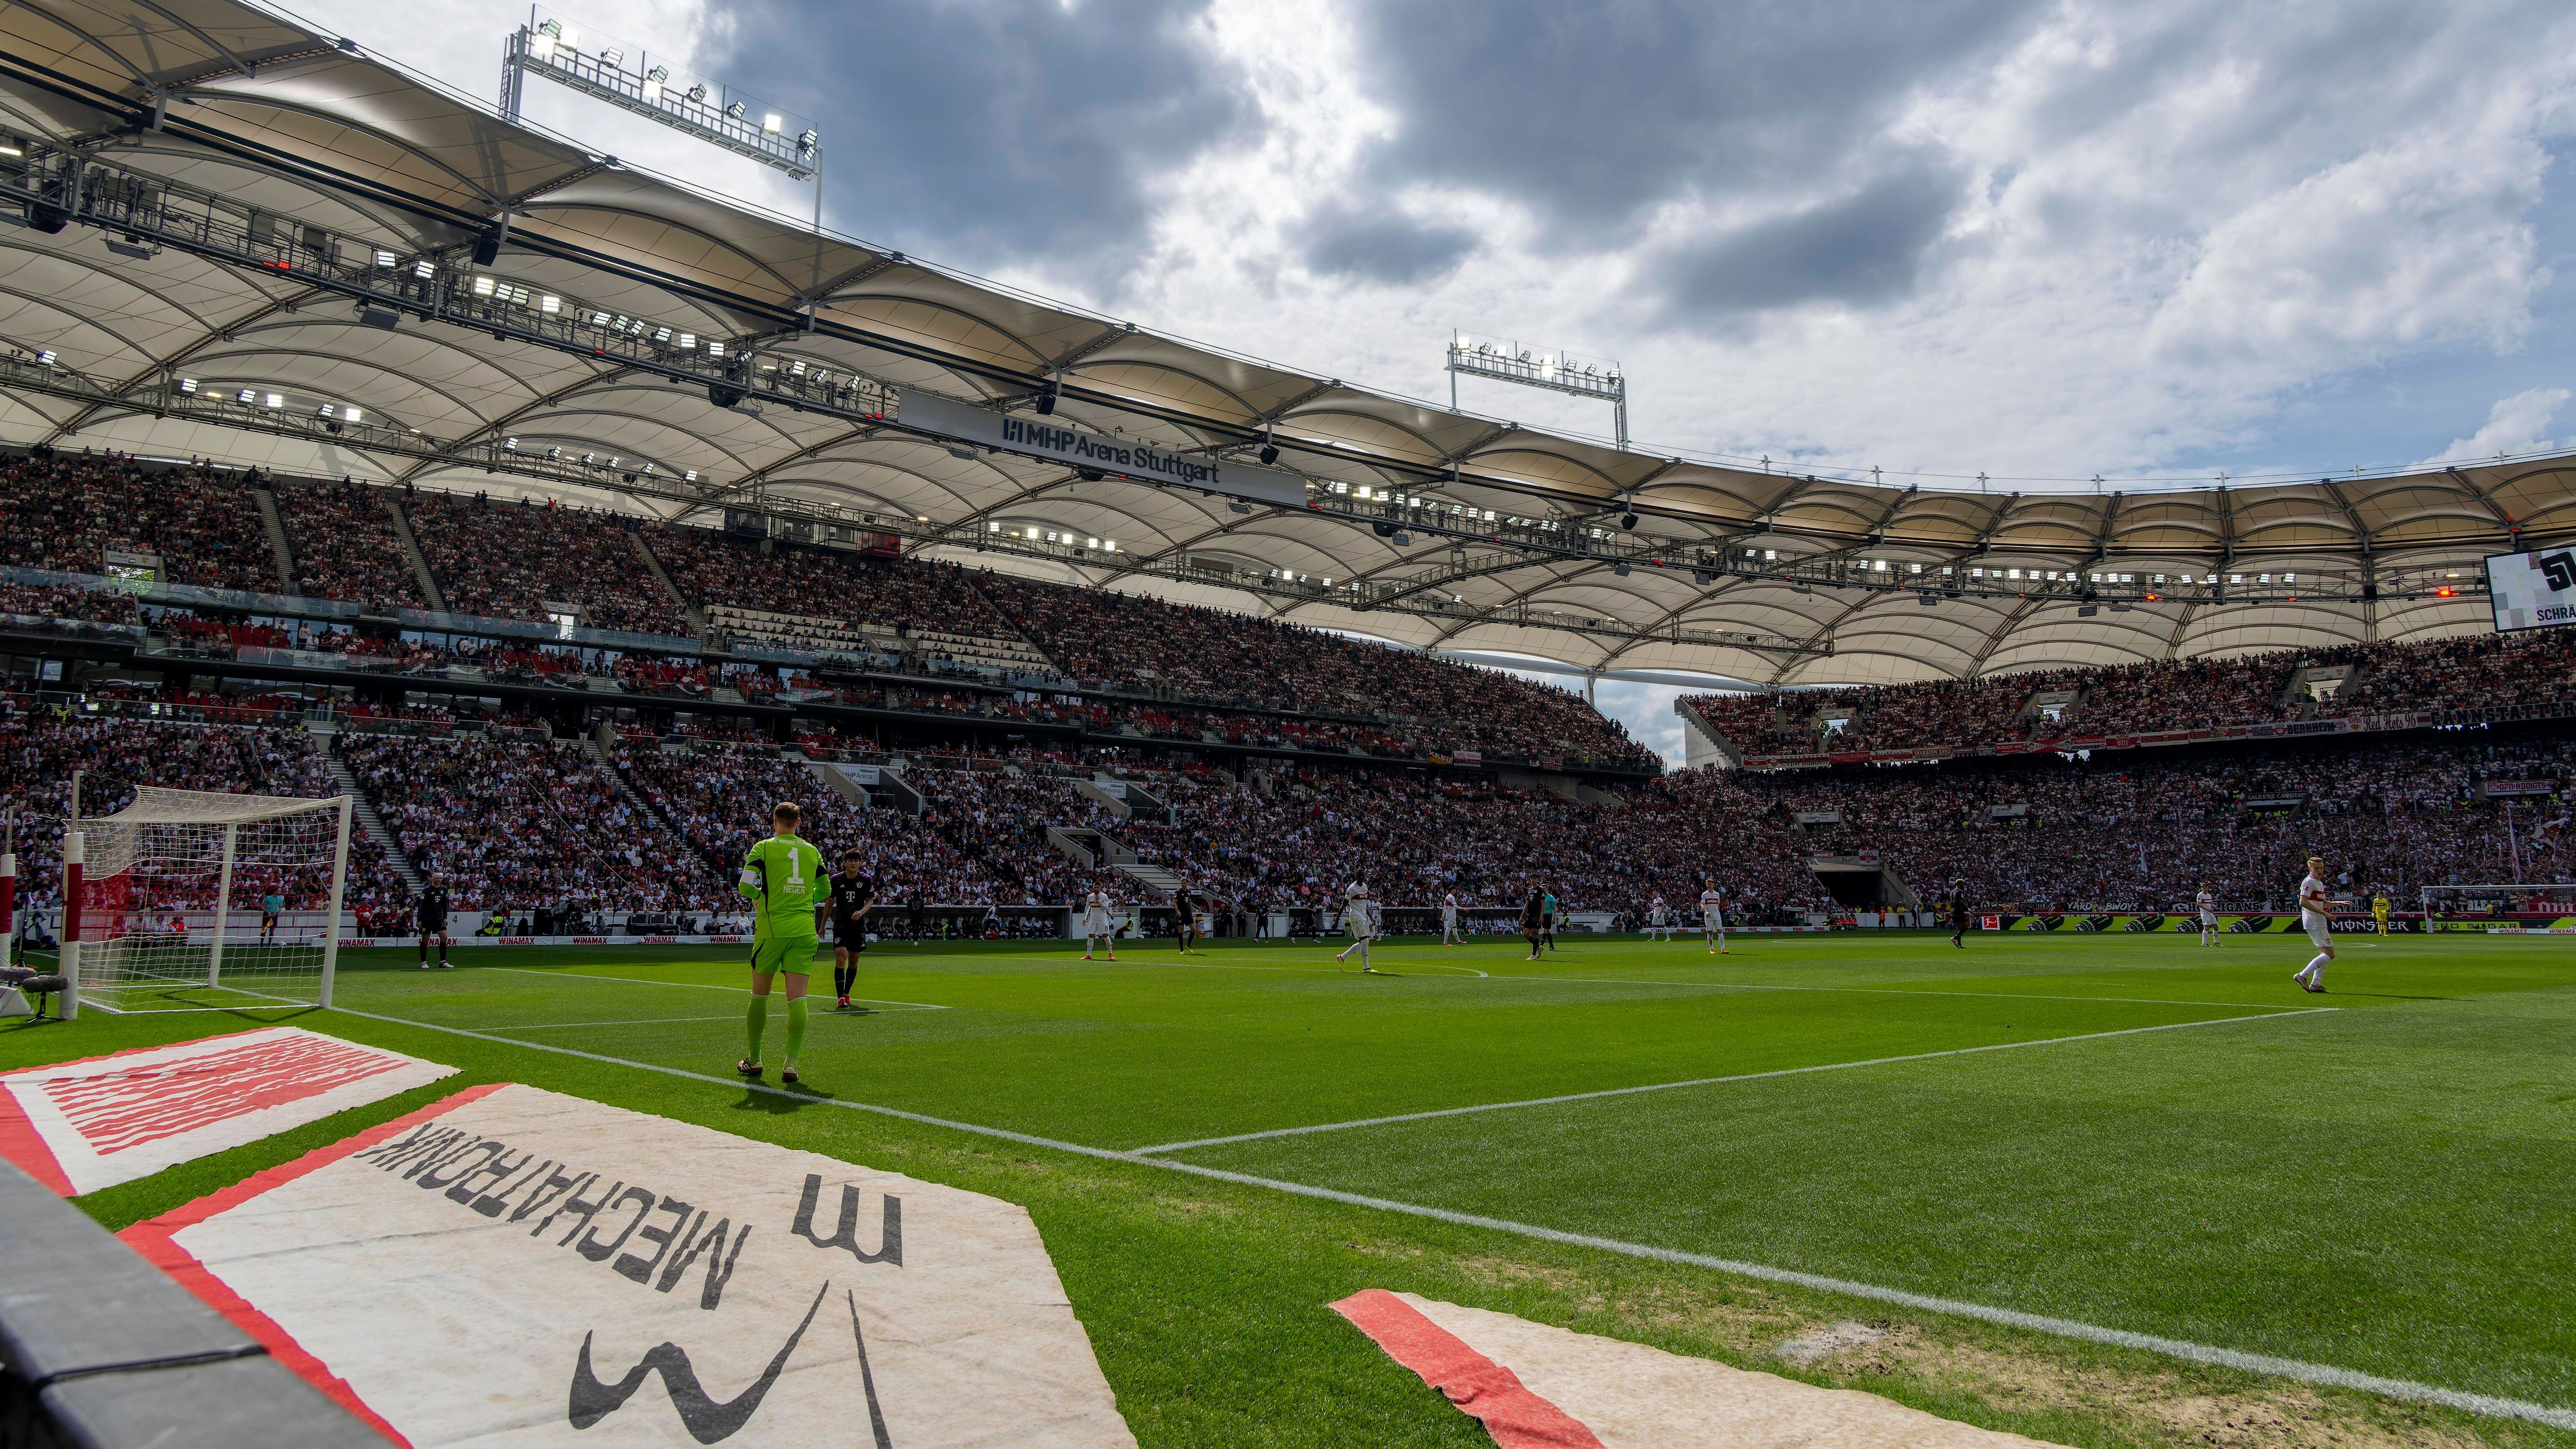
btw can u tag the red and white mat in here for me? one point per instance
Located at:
(80, 1126)
(514, 1267)
(1536, 1387)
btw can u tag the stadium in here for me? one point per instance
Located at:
(429, 548)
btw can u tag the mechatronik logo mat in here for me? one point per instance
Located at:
(90, 1124)
(513, 1267)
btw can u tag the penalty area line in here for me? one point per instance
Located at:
(2485, 1405)
(2003, 1046)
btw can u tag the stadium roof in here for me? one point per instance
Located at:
(204, 130)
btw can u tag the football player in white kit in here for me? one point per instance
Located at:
(1361, 916)
(1659, 917)
(1096, 925)
(1450, 935)
(1712, 918)
(2319, 926)
(2207, 901)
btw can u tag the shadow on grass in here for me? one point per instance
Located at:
(779, 1099)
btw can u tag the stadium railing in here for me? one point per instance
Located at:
(101, 1350)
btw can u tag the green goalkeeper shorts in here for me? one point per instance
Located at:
(791, 954)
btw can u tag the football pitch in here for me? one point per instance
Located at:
(2055, 1184)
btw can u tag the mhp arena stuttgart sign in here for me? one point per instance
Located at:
(514, 1267)
(2535, 590)
(1038, 437)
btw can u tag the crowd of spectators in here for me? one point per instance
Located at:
(520, 827)
(511, 826)
(344, 544)
(1126, 641)
(711, 568)
(42, 746)
(48, 601)
(67, 512)
(507, 560)
(2476, 671)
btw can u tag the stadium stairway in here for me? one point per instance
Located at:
(420, 573)
(1152, 877)
(363, 810)
(696, 616)
(602, 743)
(277, 544)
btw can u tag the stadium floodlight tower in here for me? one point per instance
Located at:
(606, 70)
(1550, 368)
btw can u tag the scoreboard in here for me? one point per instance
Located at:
(2535, 590)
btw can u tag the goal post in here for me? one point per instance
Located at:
(190, 900)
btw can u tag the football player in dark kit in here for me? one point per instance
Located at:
(432, 915)
(853, 896)
(1959, 913)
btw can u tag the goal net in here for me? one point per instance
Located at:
(196, 901)
(2521, 906)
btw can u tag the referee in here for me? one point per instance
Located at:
(853, 896)
(432, 918)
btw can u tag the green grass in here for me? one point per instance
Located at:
(2382, 1186)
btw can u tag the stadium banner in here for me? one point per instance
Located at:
(1537, 1386)
(510, 1265)
(1037, 437)
(80, 1126)
(2532, 590)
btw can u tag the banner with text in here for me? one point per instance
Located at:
(511, 1266)
(1037, 437)
(80, 1126)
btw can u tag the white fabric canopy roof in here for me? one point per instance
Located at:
(308, 126)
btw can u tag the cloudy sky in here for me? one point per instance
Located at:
(2034, 240)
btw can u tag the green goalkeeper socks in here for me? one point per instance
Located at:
(756, 1021)
(795, 1030)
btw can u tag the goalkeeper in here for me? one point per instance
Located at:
(783, 876)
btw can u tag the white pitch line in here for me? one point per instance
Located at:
(691, 985)
(2004, 1046)
(2486, 1405)
(1895, 991)
(643, 1021)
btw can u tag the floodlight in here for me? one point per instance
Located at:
(45, 358)
(735, 110)
(806, 138)
(509, 445)
(246, 395)
(770, 123)
(276, 400)
(1628, 521)
(188, 386)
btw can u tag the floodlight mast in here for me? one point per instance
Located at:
(1545, 367)
(549, 46)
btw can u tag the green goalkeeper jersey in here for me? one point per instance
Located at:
(784, 878)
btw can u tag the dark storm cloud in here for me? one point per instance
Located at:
(1385, 247)
(1860, 249)
(992, 131)
(1589, 115)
